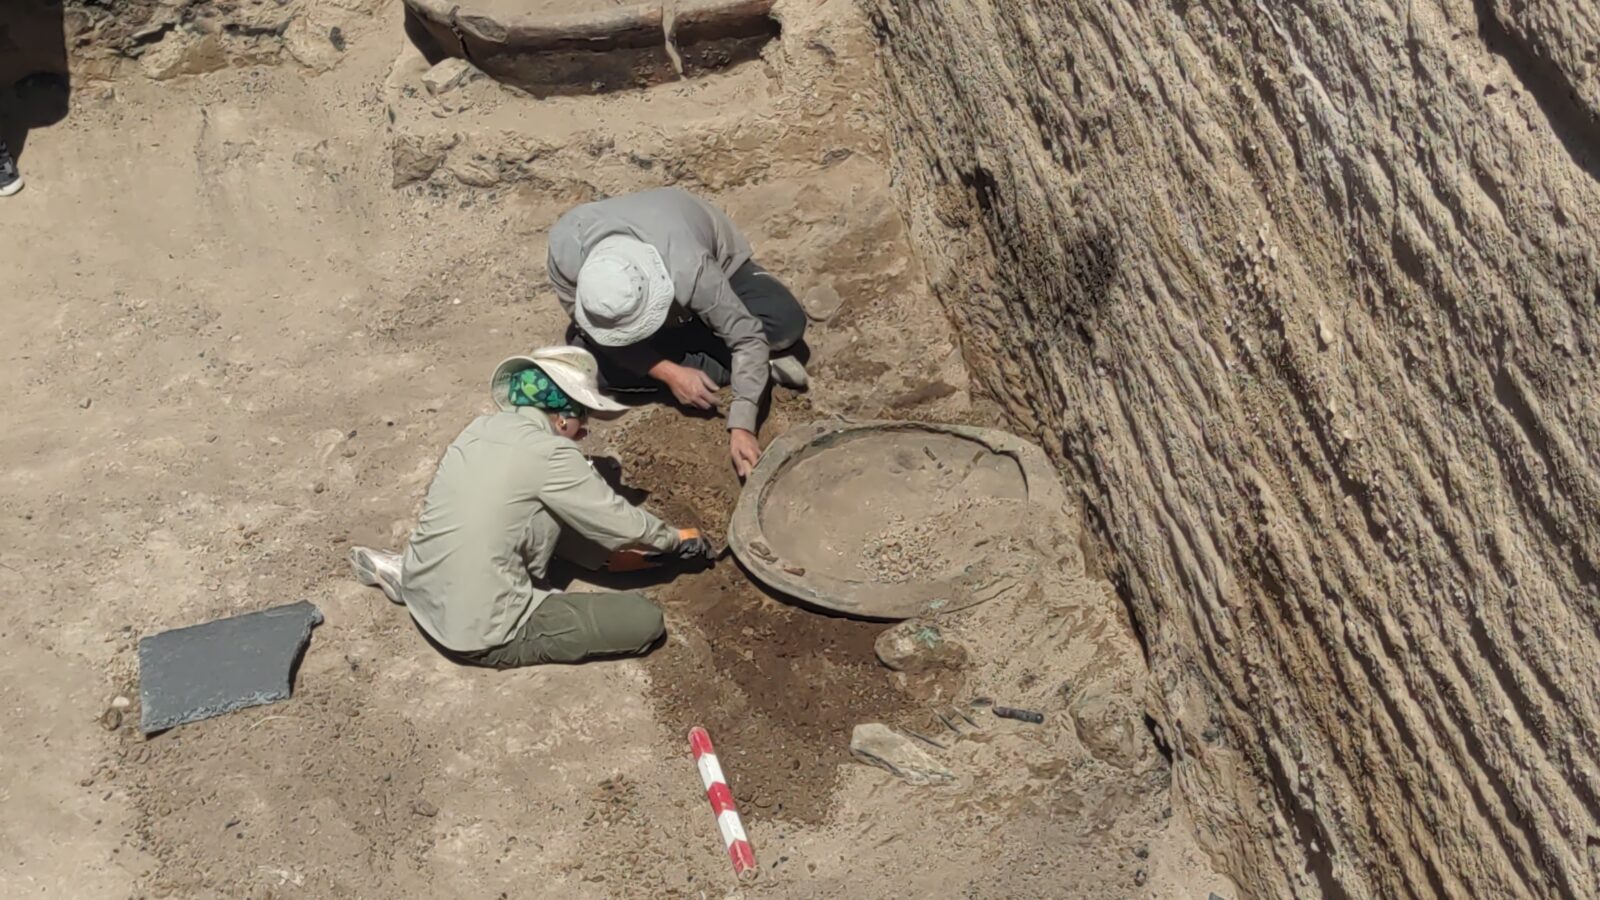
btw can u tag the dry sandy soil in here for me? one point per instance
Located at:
(245, 309)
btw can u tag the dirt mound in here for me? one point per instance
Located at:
(941, 543)
(778, 688)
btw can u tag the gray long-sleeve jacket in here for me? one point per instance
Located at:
(509, 494)
(702, 248)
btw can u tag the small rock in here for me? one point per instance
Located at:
(152, 30)
(423, 808)
(821, 303)
(1324, 334)
(183, 52)
(448, 75)
(477, 170)
(1142, 853)
(915, 646)
(336, 38)
(85, 403)
(1140, 877)
(111, 719)
(415, 158)
(120, 702)
(879, 745)
(1110, 726)
(319, 487)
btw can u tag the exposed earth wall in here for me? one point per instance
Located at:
(1303, 295)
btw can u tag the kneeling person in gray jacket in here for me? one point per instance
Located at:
(662, 288)
(510, 493)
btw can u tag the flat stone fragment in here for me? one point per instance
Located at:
(448, 75)
(879, 745)
(201, 671)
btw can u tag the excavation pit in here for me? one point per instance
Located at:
(560, 47)
(890, 520)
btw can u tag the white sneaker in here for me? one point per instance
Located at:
(375, 568)
(789, 372)
(10, 178)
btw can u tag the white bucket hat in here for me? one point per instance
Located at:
(624, 292)
(573, 369)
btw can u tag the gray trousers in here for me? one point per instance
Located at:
(569, 628)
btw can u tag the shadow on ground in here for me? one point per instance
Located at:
(35, 84)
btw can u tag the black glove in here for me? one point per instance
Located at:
(692, 548)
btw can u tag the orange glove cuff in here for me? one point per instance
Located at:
(629, 561)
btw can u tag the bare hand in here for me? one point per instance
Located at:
(692, 387)
(745, 450)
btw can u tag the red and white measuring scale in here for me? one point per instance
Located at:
(733, 836)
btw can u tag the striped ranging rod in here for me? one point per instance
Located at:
(733, 836)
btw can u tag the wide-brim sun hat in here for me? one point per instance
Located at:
(573, 369)
(624, 292)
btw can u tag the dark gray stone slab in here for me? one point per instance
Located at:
(194, 673)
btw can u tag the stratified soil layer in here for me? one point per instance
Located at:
(1303, 295)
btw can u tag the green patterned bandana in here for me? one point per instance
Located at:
(532, 387)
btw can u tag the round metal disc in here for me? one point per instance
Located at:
(856, 517)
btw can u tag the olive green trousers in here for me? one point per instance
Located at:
(569, 628)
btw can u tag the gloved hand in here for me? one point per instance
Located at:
(692, 548)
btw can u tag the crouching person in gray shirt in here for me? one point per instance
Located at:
(661, 287)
